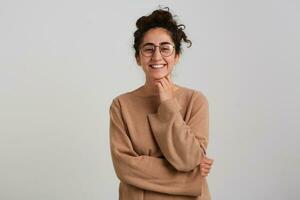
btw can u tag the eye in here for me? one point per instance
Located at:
(148, 48)
(166, 48)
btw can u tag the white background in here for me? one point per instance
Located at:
(62, 62)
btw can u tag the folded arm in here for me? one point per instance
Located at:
(183, 143)
(145, 172)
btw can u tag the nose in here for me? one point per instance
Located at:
(156, 54)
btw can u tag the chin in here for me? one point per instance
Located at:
(157, 77)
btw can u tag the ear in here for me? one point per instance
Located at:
(138, 61)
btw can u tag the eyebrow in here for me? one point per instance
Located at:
(149, 43)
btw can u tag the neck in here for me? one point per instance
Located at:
(150, 88)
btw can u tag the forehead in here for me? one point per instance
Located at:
(157, 36)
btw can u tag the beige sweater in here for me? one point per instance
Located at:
(156, 147)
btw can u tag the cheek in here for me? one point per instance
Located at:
(144, 60)
(171, 62)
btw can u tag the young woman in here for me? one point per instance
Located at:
(159, 131)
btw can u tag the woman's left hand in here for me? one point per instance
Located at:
(206, 164)
(165, 88)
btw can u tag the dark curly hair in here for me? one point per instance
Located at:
(164, 19)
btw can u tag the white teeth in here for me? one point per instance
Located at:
(157, 66)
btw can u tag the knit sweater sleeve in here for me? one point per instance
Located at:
(146, 172)
(183, 143)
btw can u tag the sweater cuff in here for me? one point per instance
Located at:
(168, 108)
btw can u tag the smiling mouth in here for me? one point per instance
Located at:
(157, 66)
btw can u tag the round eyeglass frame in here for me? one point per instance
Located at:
(160, 51)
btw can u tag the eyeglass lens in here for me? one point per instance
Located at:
(165, 49)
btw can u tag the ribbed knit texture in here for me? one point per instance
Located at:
(157, 147)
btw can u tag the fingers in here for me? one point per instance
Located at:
(164, 83)
(167, 84)
(208, 161)
(159, 85)
(206, 165)
(205, 169)
(165, 88)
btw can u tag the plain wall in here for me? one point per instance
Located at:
(62, 62)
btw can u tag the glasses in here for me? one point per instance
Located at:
(165, 49)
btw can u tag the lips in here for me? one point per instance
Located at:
(157, 66)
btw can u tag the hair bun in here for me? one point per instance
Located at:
(160, 18)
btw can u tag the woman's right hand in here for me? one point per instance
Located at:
(206, 164)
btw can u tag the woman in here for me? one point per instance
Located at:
(159, 131)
